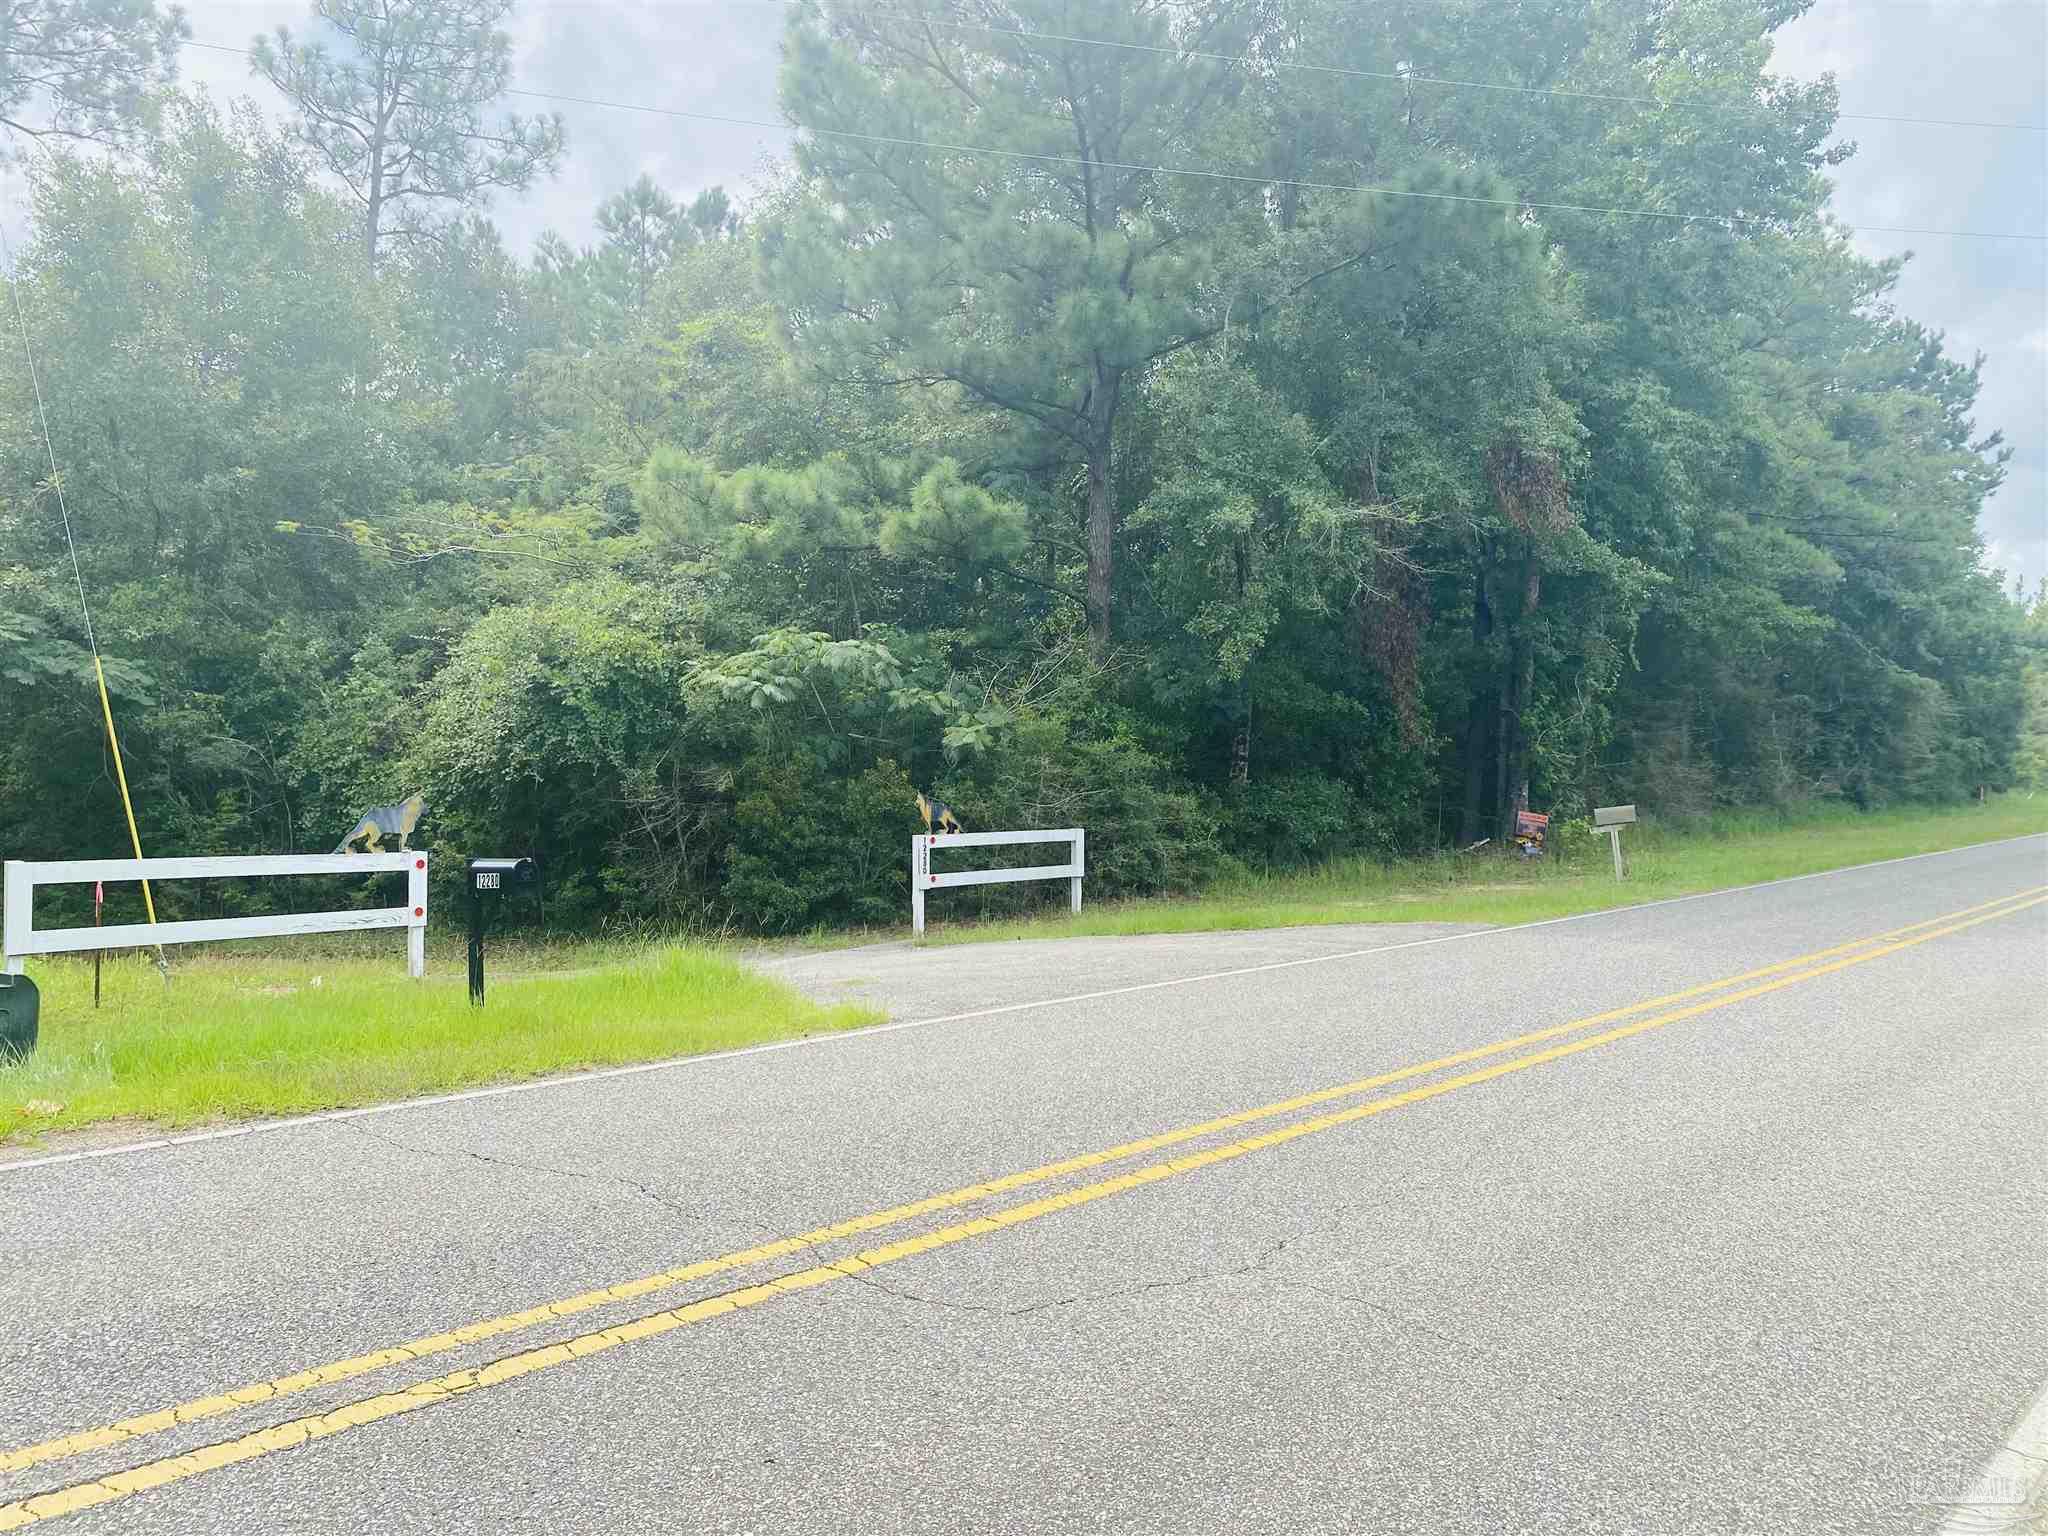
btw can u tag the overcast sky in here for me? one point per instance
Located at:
(1984, 60)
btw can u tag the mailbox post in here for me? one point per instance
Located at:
(490, 875)
(1611, 819)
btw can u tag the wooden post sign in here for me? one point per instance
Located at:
(1611, 819)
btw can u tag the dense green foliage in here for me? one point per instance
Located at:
(1244, 520)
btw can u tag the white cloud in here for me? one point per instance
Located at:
(1979, 60)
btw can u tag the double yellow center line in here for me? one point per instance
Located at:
(1652, 1013)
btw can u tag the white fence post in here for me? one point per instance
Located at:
(922, 880)
(23, 938)
(15, 888)
(416, 931)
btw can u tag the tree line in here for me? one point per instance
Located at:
(1202, 422)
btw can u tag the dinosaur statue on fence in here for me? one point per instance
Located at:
(380, 822)
(937, 812)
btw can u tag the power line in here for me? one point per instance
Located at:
(1394, 76)
(1409, 78)
(92, 643)
(1240, 177)
(49, 444)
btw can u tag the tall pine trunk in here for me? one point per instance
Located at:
(1479, 717)
(1503, 753)
(1101, 418)
(373, 202)
(1241, 705)
(1518, 687)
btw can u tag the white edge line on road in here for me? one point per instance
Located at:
(2011, 1480)
(603, 1074)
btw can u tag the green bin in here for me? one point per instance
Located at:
(19, 1004)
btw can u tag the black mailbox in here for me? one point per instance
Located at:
(499, 875)
(502, 873)
(19, 1005)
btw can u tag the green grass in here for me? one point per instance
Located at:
(1736, 849)
(241, 1034)
(322, 1023)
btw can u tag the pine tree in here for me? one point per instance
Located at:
(643, 229)
(399, 117)
(84, 69)
(1044, 275)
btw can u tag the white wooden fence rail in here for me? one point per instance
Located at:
(922, 879)
(21, 937)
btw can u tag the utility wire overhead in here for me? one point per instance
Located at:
(1340, 71)
(943, 147)
(1397, 76)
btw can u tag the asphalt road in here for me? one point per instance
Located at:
(1769, 1255)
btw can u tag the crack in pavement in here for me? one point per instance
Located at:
(1422, 1179)
(1652, 1409)
(1649, 1412)
(1428, 1177)
(1051, 1303)
(620, 1181)
(1386, 1195)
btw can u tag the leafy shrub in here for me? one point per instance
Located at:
(1144, 836)
(542, 713)
(812, 848)
(1294, 820)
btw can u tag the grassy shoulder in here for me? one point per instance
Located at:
(324, 1023)
(1484, 887)
(239, 1035)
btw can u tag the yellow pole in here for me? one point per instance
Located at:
(121, 776)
